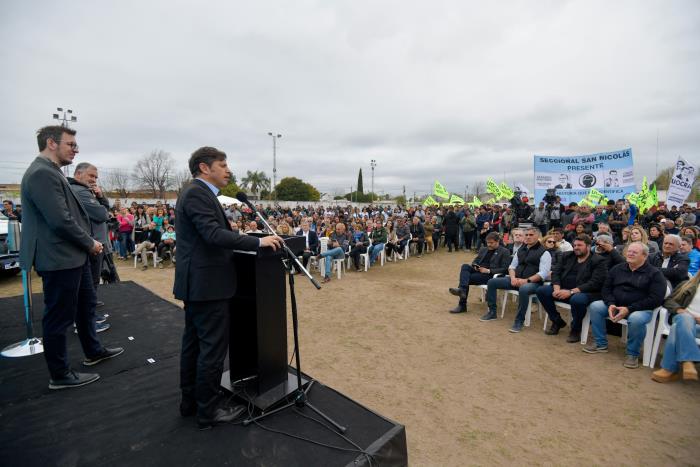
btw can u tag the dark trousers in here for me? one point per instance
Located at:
(355, 255)
(419, 244)
(305, 257)
(69, 297)
(436, 239)
(204, 347)
(451, 241)
(468, 239)
(579, 304)
(96, 268)
(470, 276)
(165, 246)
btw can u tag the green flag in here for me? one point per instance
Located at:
(440, 191)
(456, 200)
(493, 188)
(475, 203)
(429, 201)
(506, 191)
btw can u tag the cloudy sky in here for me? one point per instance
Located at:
(451, 90)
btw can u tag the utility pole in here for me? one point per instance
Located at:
(275, 137)
(373, 164)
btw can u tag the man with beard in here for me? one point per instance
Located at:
(577, 279)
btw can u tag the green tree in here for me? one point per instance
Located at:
(663, 180)
(294, 189)
(400, 200)
(359, 182)
(231, 189)
(256, 181)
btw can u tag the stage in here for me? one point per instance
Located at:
(130, 416)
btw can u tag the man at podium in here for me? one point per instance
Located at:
(205, 279)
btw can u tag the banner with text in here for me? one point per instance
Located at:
(611, 173)
(681, 183)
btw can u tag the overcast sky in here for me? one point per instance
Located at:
(450, 90)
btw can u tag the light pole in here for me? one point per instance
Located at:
(274, 157)
(373, 164)
(67, 117)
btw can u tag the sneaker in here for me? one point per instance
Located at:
(489, 316)
(595, 348)
(631, 362)
(73, 379)
(106, 354)
(100, 319)
(99, 304)
(102, 327)
(459, 292)
(326, 279)
(517, 327)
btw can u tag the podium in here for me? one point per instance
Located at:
(258, 358)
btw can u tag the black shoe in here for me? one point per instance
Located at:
(458, 291)
(556, 326)
(573, 337)
(459, 309)
(73, 379)
(223, 414)
(104, 355)
(188, 407)
(99, 304)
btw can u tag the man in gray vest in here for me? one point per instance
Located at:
(84, 185)
(57, 242)
(530, 267)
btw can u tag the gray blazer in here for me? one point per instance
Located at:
(97, 209)
(56, 230)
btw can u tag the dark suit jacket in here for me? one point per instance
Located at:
(499, 261)
(205, 242)
(590, 277)
(677, 270)
(313, 240)
(56, 230)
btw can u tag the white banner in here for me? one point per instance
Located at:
(681, 183)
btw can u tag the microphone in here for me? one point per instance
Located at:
(243, 198)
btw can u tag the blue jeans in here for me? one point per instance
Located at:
(469, 276)
(374, 251)
(579, 303)
(524, 293)
(681, 345)
(330, 255)
(636, 327)
(126, 245)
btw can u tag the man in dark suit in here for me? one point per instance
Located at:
(577, 279)
(492, 259)
(205, 279)
(57, 241)
(311, 247)
(671, 261)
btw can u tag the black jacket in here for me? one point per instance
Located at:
(643, 289)
(500, 260)
(205, 243)
(613, 258)
(451, 223)
(313, 240)
(677, 270)
(417, 231)
(153, 236)
(589, 279)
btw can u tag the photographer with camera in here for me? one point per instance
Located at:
(492, 259)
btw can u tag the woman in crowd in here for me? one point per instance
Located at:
(429, 231)
(360, 242)
(656, 235)
(379, 237)
(126, 226)
(392, 240)
(638, 234)
(550, 244)
(284, 229)
(167, 243)
(158, 219)
(681, 351)
(578, 230)
(141, 222)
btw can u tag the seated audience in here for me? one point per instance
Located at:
(338, 245)
(311, 244)
(526, 272)
(492, 259)
(379, 239)
(672, 262)
(631, 291)
(693, 255)
(604, 247)
(577, 279)
(167, 243)
(417, 235)
(681, 350)
(150, 242)
(359, 245)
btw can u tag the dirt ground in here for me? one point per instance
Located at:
(471, 393)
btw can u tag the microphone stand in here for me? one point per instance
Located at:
(300, 396)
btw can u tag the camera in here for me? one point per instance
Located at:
(551, 196)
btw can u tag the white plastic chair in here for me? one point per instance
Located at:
(585, 325)
(532, 298)
(339, 264)
(154, 256)
(364, 257)
(321, 263)
(663, 329)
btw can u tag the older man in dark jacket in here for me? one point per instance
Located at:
(492, 259)
(577, 279)
(631, 291)
(56, 241)
(671, 261)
